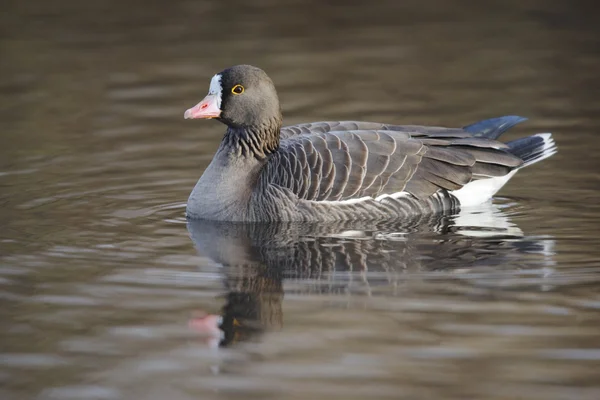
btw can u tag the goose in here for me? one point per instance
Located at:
(344, 170)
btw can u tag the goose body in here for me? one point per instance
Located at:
(344, 170)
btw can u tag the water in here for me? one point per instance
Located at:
(107, 293)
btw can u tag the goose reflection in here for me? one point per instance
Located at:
(347, 257)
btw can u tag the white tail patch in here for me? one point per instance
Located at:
(480, 191)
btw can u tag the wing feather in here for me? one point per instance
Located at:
(342, 160)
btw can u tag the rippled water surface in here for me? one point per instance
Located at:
(107, 293)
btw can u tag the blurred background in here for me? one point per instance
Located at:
(106, 292)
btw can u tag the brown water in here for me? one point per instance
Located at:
(103, 284)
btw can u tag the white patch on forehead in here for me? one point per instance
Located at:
(216, 89)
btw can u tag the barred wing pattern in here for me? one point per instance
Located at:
(342, 161)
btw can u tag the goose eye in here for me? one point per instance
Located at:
(237, 89)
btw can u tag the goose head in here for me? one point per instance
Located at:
(241, 96)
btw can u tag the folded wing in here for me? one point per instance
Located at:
(341, 161)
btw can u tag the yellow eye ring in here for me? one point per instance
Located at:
(237, 89)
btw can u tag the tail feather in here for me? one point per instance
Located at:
(494, 127)
(533, 148)
(529, 149)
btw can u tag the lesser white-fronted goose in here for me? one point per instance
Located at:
(344, 170)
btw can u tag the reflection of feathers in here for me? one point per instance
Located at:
(310, 251)
(258, 257)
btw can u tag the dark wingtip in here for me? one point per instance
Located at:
(494, 127)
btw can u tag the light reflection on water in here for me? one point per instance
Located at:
(108, 293)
